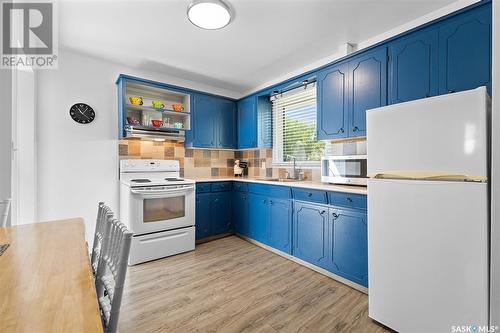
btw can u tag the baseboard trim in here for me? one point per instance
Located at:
(306, 264)
(211, 238)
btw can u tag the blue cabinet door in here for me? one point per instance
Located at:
(205, 117)
(348, 244)
(332, 102)
(240, 213)
(264, 121)
(221, 212)
(465, 51)
(247, 123)
(226, 125)
(280, 225)
(367, 87)
(310, 233)
(203, 219)
(414, 66)
(258, 214)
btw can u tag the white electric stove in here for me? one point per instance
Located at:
(159, 207)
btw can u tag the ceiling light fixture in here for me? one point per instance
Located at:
(209, 14)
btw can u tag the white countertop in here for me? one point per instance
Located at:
(301, 184)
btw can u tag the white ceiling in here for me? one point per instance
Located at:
(267, 38)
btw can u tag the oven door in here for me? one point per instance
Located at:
(161, 208)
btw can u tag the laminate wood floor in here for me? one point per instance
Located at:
(231, 285)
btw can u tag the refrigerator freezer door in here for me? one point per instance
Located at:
(444, 134)
(428, 254)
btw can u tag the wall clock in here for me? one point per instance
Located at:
(82, 113)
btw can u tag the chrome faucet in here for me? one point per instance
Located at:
(296, 171)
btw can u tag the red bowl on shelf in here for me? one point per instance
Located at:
(156, 122)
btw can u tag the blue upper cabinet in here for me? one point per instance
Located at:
(264, 122)
(254, 122)
(332, 102)
(226, 124)
(247, 122)
(348, 244)
(414, 66)
(347, 90)
(205, 116)
(465, 51)
(367, 87)
(214, 122)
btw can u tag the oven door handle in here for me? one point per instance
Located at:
(162, 191)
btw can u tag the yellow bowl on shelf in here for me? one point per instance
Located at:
(178, 107)
(135, 100)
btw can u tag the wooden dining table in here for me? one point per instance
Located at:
(46, 282)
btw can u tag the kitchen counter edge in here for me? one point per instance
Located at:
(299, 184)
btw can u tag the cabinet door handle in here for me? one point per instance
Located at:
(340, 131)
(323, 212)
(349, 199)
(216, 200)
(355, 129)
(335, 215)
(271, 202)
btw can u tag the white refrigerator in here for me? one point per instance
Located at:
(428, 220)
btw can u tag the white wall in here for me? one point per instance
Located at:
(495, 174)
(78, 164)
(5, 133)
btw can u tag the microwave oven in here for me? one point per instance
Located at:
(349, 169)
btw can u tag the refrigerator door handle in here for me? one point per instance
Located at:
(425, 175)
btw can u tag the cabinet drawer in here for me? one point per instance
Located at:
(347, 200)
(270, 190)
(240, 187)
(202, 187)
(221, 186)
(309, 195)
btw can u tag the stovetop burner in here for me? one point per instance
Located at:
(173, 179)
(140, 180)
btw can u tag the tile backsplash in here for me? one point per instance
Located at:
(206, 163)
(193, 162)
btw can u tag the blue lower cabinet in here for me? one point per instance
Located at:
(258, 217)
(220, 211)
(348, 244)
(280, 225)
(310, 233)
(240, 213)
(203, 219)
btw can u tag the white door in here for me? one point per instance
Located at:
(427, 254)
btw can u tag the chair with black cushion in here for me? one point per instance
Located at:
(111, 272)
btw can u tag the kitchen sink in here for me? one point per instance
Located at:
(284, 180)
